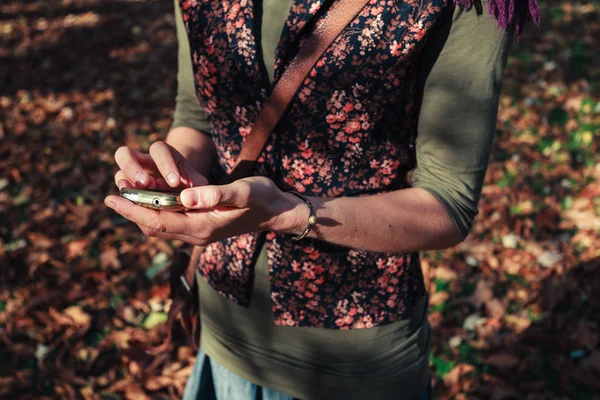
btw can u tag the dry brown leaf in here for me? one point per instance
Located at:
(585, 220)
(482, 294)
(586, 336)
(495, 308)
(517, 323)
(40, 240)
(588, 371)
(438, 298)
(135, 392)
(158, 382)
(183, 372)
(78, 317)
(119, 386)
(119, 338)
(502, 360)
(505, 392)
(445, 273)
(454, 376)
(110, 258)
(76, 248)
(87, 393)
(185, 353)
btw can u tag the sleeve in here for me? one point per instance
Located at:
(188, 112)
(461, 76)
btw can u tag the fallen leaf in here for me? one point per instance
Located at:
(445, 274)
(454, 376)
(585, 336)
(40, 240)
(473, 321)
(481, 295)
(75, 248)
(79, 317)
(502, 360)
(495, 308)
(157, 383)
(438, 298)
(548, 258)
(110, 259)
(153, 319)
(505, 392)
(585, 220)
(135, 392)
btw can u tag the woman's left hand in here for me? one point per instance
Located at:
(217, 212)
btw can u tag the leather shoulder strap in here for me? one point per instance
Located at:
(327, 30)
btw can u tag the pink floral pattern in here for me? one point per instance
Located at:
(350, 131)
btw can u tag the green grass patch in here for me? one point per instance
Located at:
(466, 289)
(94, 337)
(116, 300)
(513, 307)
(442, 366)
(469, 354)
(441, 285)
(535, 316)
(507, 180)
(558, 115)
(442, 307)
(512, 278)
(567, 203)
(153, 319)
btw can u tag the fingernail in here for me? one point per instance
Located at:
(140, 178)
(172, 178)
(189, 198)
(111, 204)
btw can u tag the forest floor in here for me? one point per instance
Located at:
(515, 309)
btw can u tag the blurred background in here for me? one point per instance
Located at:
(515, 308)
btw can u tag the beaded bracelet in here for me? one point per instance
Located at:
(312, 219)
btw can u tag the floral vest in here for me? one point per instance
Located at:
(350, 131)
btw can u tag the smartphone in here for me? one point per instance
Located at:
(164, 201)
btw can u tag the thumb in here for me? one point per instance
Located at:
(213, 196)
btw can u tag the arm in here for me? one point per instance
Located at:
(462, 76)
(456, 129)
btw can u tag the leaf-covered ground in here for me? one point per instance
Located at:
(515, 309)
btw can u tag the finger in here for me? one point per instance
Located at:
(161, 184)
(130, 162)
(172, 236)
(189, 176)
(235, 194)
(159, 221)
(121, 180)
(165, 162)
(155, 184)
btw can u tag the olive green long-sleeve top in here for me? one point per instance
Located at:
(461, 76)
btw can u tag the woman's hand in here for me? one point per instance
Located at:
(217, 212)
(163, 168)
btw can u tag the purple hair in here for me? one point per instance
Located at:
(509, 11)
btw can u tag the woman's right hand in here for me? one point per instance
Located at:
(162, 168)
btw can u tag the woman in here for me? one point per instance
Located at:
(341, 313)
